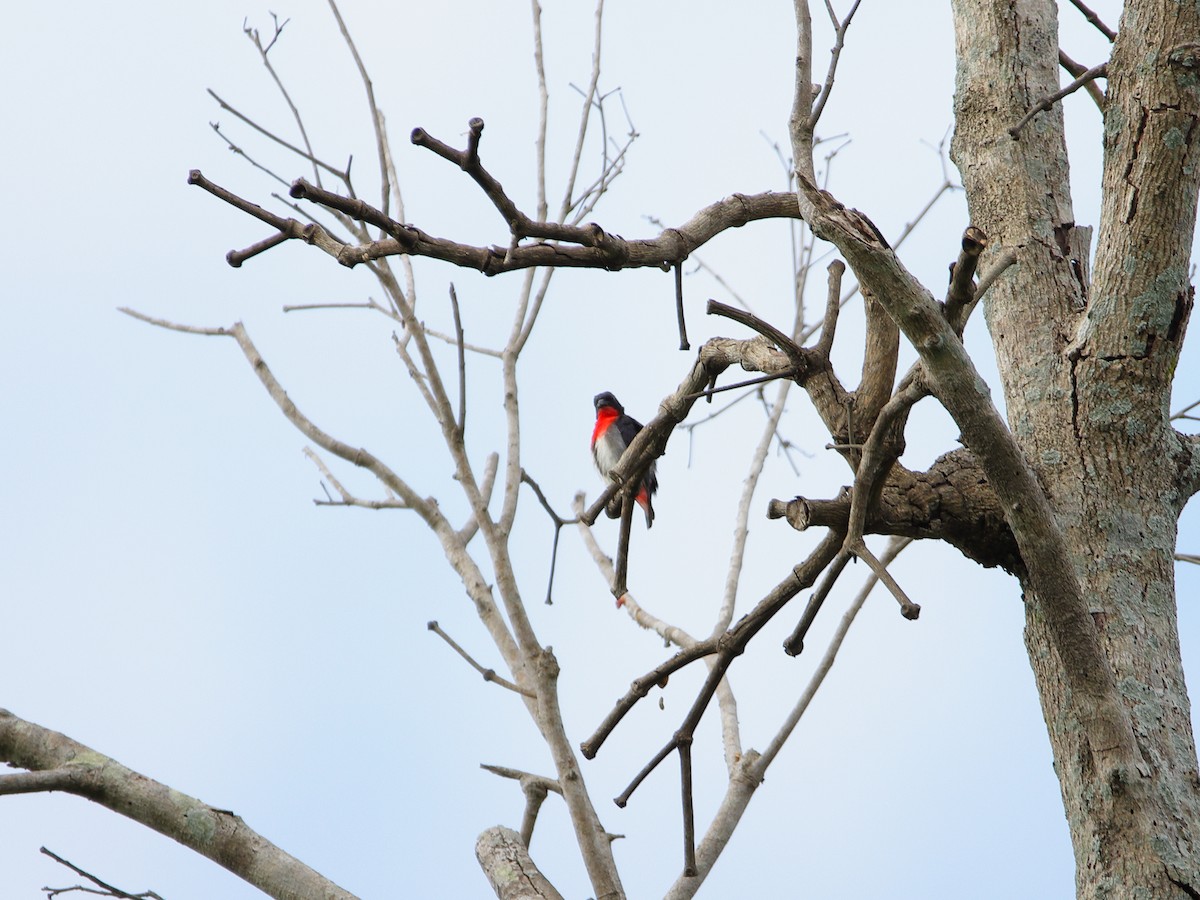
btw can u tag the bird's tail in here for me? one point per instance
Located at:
(643, 499)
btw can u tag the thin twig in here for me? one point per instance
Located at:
(238, 151)
(988, 278)
(253, 35)
(1100, 71)
(462, 363)
(1076, 70)
(588, 99)
(689, 814)
(683, 338)
(558, 521)
(621, 582)
(488, 674)
(794, 644)
(174, 326)
(749, 382)
(376, 118)
(338, 173)
(305, 307)
(348, 499)
(908, 609)
(107, 890)
(1183, 413)
(1095, 20)
(840, 29)
(471, 348)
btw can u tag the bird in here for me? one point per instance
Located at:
(613, 433)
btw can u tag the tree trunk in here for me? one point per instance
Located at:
(1086, 370)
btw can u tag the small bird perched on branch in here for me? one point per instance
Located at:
(613, 433)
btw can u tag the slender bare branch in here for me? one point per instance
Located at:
(689, 814)
(683, 339)
(105, 889)
(490, 467)
(332, 170)
(488, 674)
(217, 834)
(1094, 19)
(462, 362)
(1006, 259)
(347, 498)
(621, 583)
(264, 54)
(1183, 413)
(1100, 71)
(37, 782)
(839, 42)
(1077, 70)
(539, 64)
(728, 646)
(908, 609)
(376, 118)
(238, 151)
(585, 114)
(558, 521)
(794, 644)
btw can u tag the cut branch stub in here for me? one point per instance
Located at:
(961, 294)
(950, 502)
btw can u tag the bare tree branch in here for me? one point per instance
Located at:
(217, 834)
(1094, 19)
(488, 674)
(1077, 71)
(1100, 71)
(839, 30)
(105, 889)
(376, 117)
(751, 769)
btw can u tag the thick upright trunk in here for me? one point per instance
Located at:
(1086, 370)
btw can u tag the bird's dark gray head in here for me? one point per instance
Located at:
(607, 399)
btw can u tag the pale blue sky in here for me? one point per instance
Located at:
(170, 595)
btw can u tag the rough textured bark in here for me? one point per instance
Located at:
(951, 502)
(509, 868)
(1086, 371)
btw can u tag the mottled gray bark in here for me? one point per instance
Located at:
(510, 870)
(1086, 370)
